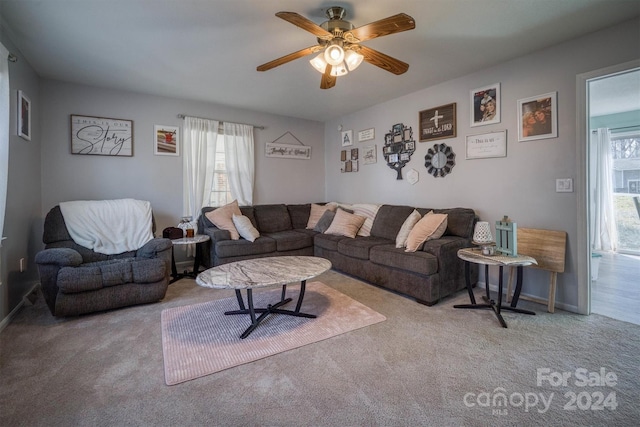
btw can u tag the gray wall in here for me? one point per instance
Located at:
(22, 215)
(521, 185)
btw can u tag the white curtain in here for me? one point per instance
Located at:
(605, 234)
(238, 146)
(199, 147)
(4, 133)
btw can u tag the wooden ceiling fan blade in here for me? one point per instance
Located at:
(383, 61)
(305, 24)
(328, 81)
(384, 27)
(290, 57)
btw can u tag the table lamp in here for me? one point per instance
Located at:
(483, 238)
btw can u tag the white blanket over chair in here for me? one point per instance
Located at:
(109, 226)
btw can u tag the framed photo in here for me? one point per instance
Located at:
(438, 123)
(369, 155)
(485, 105)
(487, 145)
(24, 116)
(101, 136)
(167, 140)
(347, 138)
(367, 134)
(538, 117)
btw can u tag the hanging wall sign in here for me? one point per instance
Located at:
(438, 123)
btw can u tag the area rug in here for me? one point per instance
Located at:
(199, 339)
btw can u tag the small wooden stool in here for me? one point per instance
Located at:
(548, 248)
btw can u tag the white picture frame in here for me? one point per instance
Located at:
(487, 145)
(101, 136)
(166, 140)
(366, 134)
(369, 154)
(24, 116)
(485, 105)
(347, 138)
(531, 125)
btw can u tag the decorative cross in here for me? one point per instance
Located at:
(436, 117)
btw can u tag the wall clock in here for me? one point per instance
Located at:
(439, 160)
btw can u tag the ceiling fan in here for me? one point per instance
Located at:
(341, 44)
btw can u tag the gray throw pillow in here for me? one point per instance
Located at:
(324, 222)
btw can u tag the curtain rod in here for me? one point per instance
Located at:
(182, 116)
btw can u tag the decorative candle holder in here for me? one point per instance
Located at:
(483, 238)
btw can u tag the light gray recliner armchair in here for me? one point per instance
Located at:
(76, 280)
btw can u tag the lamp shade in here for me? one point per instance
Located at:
(319, 63)
(339, 70)
(482, 233)
(334, 55)
(353, 59)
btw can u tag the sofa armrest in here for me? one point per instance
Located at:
(446, 250)
(217, 234)
(61, 257)
(153, 247)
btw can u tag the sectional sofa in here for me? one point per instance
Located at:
(428, 274)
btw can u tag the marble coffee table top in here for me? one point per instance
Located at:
(260, 272)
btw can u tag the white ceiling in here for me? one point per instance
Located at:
(208, 50)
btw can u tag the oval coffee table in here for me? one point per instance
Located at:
(263, 272)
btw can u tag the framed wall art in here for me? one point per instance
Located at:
(485, 105)
(438, 123)
(487, 145)
(369, 155)
(367, 134)
(101, 136)
(167, 140)
(538, 117)
(347, 138)
(349, 160)
(24, 116)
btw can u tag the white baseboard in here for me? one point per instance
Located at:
(7, 320)
(532, 298)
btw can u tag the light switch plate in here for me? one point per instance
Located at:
(564, 185)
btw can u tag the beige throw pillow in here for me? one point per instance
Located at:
(316, 213)
(246, 230)
(368, 211)
(407, 226)
(222, 218)
(345, 224)
(431, 226)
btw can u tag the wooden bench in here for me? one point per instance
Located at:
(548, 247)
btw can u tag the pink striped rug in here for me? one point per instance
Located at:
(199, 340)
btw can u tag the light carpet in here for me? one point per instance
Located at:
(199, 339)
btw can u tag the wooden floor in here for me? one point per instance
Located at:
(616, 292)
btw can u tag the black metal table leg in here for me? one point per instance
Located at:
(270, 309)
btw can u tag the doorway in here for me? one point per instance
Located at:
(613, 192)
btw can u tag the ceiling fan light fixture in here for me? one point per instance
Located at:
(353, 59)
(319, 63)
(339, 70)
(334, 55)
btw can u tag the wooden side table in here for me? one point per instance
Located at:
(474, 255)
(198, 240)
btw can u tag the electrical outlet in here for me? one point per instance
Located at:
(23, 265)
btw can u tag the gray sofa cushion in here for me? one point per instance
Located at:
(328, 241)
(231, 248)
(416, 262)
(299, 215)
(97, 275)
(290, 240)
(389, 220)
(272, 218)
(360, 246)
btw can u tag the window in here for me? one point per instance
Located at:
(220, 193)
(625, 150)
